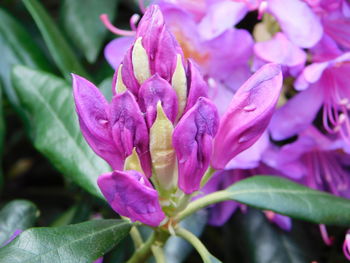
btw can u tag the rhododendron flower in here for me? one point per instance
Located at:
(314, 159)
(158, 131)
(321, 84)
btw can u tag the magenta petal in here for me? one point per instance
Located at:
(92, 109)
(197, 86)
(337, 27)
(280, 50)
(130, 194)
(116, 50)
(221, 16)
(223, 60)
(129, 128)
(128, 73)
(251, 157)
(192, 141)
(248, 115)
(297, 114)
(157, 89)
(298, 21)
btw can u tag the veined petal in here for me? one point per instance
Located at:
(157, 89)
(92, 109)
(196, 84)
(130, 194)
(297, 114)
(280, 50)
(129, 128)
(305, 31)
(248, 115)
(127, 73)
(192, 140)
(221, 16)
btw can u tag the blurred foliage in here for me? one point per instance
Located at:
(49, 40)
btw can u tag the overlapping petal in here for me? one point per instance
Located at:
(130, 194)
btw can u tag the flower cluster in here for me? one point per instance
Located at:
(161, 132)
(311, 41)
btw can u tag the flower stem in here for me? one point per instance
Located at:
(197, 244)
(144, 251)
(203, 202)
(136, 237)
(158, 253)
(157, 239)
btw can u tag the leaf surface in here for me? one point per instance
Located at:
(55, 128)
(83, 243)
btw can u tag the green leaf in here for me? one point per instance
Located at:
(83, 25)
(252, 238)
(17, 47)
(61, 52)
(16, 215)
(282, 196)
(84, 242)
(2, 136)
(56, 132)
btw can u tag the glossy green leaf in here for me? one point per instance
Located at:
(61, 52)
(16, 215)
(253, 239)
(56, 132)
(17, 47)
(2, 136)
(83, 25)
(84, 242)
(282, 196)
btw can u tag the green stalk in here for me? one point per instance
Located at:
(200, 203)
(157, 239)
(197, 244)
(136, 237)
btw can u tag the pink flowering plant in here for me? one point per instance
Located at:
(225, 113)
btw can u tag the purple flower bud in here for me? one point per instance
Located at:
(157, 89)
(92, 109)
(129, 128)
(130, 194)
(248, 115)
(197, 86)
(192, 141)
(158, 42)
